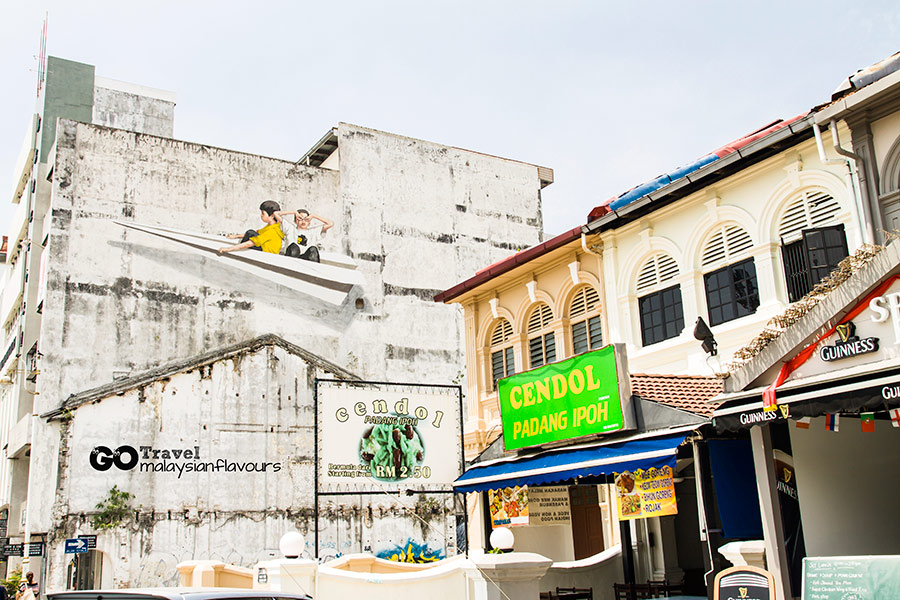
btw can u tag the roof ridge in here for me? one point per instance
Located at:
(148, 376)
(684, 376)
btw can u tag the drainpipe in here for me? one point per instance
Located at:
(823, 158)
(862, 206)
(586, 248)
(29, 495)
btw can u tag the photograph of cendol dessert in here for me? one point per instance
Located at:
(391, 451)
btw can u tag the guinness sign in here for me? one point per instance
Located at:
(744, 583)
(848, 345)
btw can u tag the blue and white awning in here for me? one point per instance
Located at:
(554, 466)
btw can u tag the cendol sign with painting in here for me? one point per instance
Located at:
(573, 398)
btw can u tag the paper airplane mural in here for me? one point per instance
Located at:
(329, 280)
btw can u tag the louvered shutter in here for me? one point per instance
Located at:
(658, 269)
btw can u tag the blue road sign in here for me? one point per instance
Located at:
(76, 546)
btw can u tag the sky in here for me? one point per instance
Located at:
(608, 95)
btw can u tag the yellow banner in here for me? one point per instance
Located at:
(645, 493)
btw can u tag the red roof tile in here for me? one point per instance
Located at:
(508, 264)
(686, 392)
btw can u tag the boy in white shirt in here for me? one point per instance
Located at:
(300, 232)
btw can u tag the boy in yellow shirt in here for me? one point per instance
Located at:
(267, 239)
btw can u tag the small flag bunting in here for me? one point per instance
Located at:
(895, 417)
(867, 419)
(832, 422)
(803, 422)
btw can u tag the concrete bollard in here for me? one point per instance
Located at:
(212, 573)
(286, 575)
(515, 575)
(751, 553)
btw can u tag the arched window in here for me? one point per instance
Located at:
(731, 286)
(541, 341)
(812, 241)
(662, 316)
(502, 358)
(584, 316)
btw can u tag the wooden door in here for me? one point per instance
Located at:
(587, 520)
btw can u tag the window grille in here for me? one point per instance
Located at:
(811, 258)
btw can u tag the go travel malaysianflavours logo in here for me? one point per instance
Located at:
(572, 398)
(149, 459)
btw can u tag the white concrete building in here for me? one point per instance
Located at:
(119, 231)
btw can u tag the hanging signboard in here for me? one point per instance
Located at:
(549, 505)
(509, 506)
(585, 395)
(374, 437)
(872, 335)
(645, 493)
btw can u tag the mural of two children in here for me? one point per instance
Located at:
(284, 233)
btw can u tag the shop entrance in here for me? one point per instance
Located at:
(85, 571)
(587, 520)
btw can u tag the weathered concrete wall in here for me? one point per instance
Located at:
(415, 217)
(431, 217)
(134, 112)
(119, 301)
(248, 422)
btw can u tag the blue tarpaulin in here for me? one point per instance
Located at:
(565, 464)
(661, 181)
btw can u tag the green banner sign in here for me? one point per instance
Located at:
(573, 398)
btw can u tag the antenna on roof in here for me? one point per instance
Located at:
(42, 56)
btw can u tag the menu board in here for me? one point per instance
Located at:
(645, 493)
(536, 506)
(851, 577)
(549, 505)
